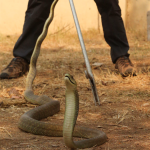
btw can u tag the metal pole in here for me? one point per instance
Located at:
(148, 25)
(89, 74)
(79, 34)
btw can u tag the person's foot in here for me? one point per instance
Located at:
(16, 68)
(125, 66)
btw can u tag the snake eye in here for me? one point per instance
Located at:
(71, 76)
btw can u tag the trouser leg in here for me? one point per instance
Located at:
(36, 15)
(113, 27)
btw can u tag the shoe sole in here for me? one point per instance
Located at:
(6, 76)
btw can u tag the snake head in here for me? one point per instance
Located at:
(70, 82)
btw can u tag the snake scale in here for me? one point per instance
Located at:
(29, 121)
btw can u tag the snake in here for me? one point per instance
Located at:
(30, 120)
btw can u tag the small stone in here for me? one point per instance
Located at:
(96, 64)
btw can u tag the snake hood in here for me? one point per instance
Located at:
(70, 82)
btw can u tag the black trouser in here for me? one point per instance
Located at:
(38, 11)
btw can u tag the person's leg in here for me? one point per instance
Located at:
(36, 15)
(114, 32)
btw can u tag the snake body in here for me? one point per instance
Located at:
(29, 121)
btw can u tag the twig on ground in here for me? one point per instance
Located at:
(123, 117)
(6, 131)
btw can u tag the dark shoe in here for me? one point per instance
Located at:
(125, 66)
(16, 68)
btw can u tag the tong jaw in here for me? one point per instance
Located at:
(93, 86)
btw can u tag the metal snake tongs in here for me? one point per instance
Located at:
(88, 72)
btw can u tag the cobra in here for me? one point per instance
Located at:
(30, 121)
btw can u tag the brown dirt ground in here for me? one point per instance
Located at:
(124, 113)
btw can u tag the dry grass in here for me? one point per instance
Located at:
(124, 112)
